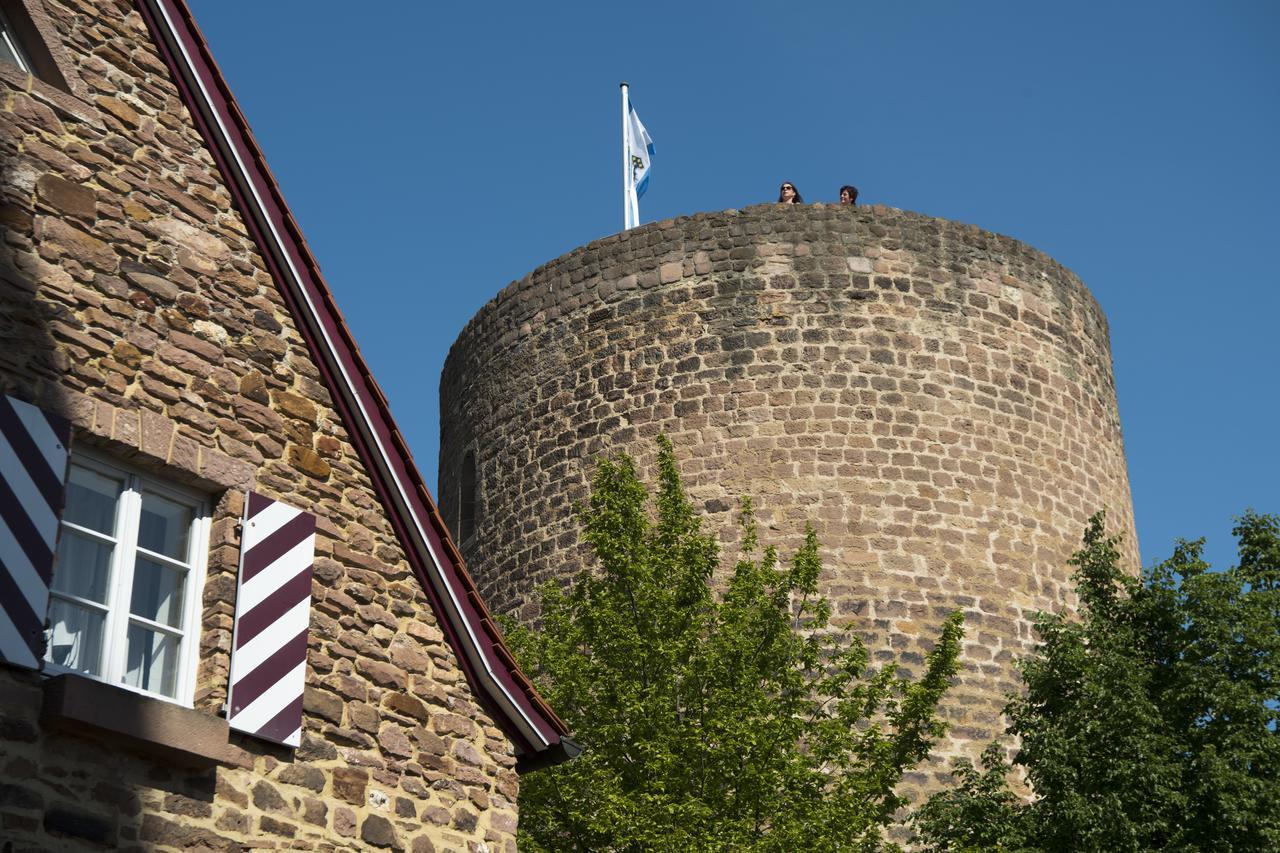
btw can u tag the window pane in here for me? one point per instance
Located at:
(164, 526)
(92, 500)
(153, 661)
(157, 592)
(9, 49)
(83, 567)
(75, 637)
(7, 53)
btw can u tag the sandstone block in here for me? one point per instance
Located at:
(315, 811)
(268, 798)
(187, 236)
(311, 778)
(383, 674)
(402, 703)
(378, 831)
(309, 462)
(63, 240)
(233, 821)
(344, 821)
(349, 784)
(409, 655)
(453, 724)
(294, 406)
(186, 806)
(272, 826)
(323, 704)
(161, 832)
(393, 741)
(67, 197)
(466, 753)
(119, 109)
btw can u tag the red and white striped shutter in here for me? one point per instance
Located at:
(33, 470)
(273, 612)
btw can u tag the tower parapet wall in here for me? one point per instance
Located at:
(937, 400)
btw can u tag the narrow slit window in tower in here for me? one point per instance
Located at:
(467, 498)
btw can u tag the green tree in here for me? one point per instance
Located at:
(733, 720)
(1149, 722)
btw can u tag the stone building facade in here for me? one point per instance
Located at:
(162, 319)
(937, 400)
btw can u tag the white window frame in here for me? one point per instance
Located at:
(119, 585)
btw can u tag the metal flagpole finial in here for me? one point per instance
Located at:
(623, 84)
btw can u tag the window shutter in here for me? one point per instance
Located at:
(273, 612)
(33, 470)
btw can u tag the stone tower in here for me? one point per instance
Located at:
(937, 400)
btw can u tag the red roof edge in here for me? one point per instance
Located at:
(540, 737)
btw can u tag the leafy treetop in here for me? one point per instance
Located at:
(1148, 723)
(731, 720)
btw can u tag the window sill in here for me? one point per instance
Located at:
(151, 727)
(70, 105)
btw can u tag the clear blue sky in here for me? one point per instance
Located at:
(434, 152)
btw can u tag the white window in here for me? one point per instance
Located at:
(124, 606)
(10, 50)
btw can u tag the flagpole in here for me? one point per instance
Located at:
(626, 164)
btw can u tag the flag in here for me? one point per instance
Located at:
(641, 148)
(640, 158)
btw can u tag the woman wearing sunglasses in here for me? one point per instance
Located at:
(788, 194)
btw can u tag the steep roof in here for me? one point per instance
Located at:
(539, 735)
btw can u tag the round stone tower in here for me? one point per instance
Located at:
(937, 400)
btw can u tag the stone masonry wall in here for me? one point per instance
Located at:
(133, 302)
(936, 399)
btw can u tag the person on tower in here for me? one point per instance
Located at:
(789, 194)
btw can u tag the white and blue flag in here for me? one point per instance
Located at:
(639, 158)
